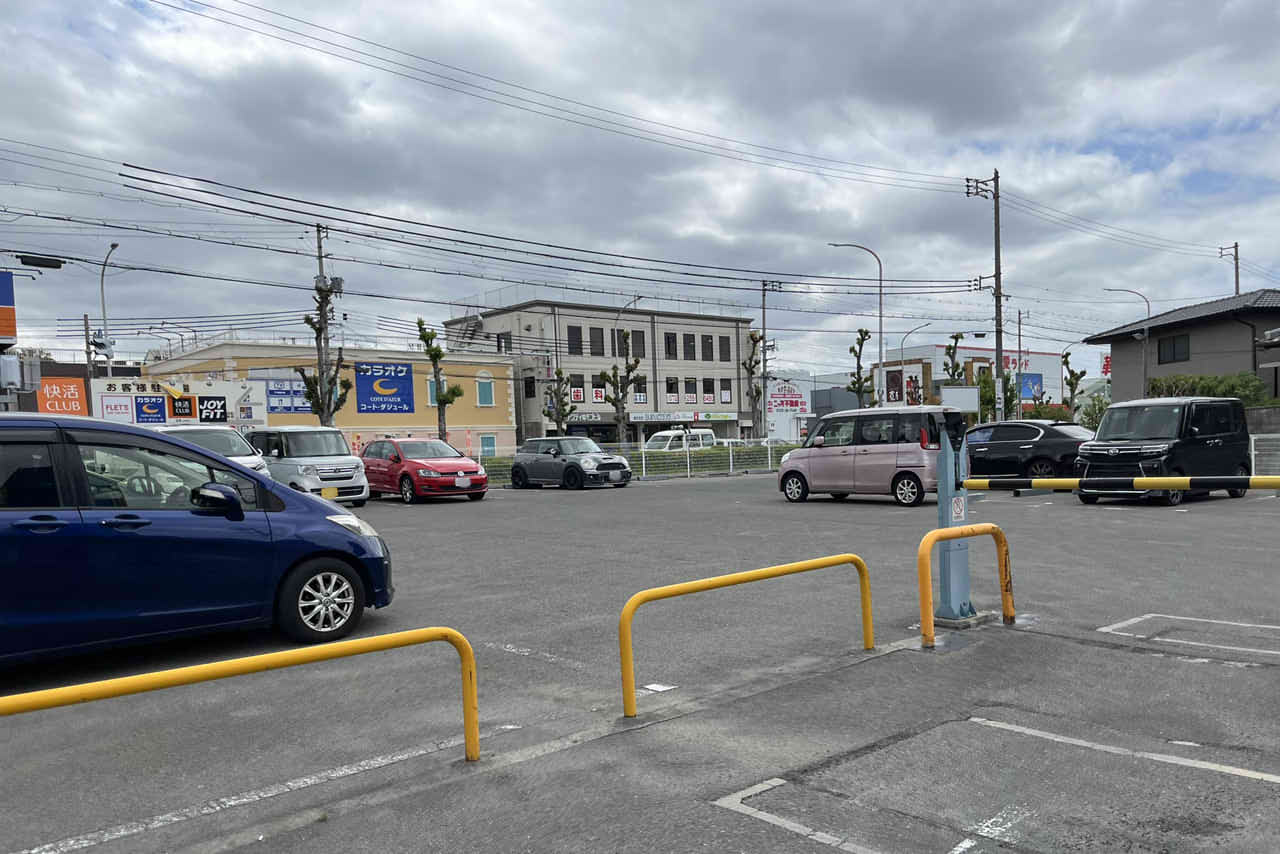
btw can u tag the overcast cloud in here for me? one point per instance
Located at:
(1156, 117)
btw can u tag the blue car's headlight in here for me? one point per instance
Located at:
(354, 524)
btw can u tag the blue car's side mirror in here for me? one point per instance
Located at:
(217, 497)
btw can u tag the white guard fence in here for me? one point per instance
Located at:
(754, 456)
(1264, 451)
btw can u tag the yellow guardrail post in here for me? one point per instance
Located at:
(53, 697)
(924, 572)
(654, 593)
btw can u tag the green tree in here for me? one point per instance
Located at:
(618, 383)
(1245, 385)
(558, 407)
(1073, 380)
(445, 397)
(1091, 412)
(755, 393)
(987, 396)
(861, 385)
(953, 367)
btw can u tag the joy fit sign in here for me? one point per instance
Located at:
(153, 402)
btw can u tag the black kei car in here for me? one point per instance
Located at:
(1167, 437)
(1030, 448)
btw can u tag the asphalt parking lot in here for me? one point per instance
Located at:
(1131, 707)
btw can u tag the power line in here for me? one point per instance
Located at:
(567, 115)
(1139, 234)
(308, 203)
(583, 103)
(426, 301)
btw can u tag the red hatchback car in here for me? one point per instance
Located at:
(422, 467)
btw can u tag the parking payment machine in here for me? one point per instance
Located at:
(953, 509)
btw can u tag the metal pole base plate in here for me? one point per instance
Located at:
(965, 622)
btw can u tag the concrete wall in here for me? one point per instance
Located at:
(1221, 346)
(1263, 419)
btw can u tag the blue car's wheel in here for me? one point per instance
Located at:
(320, 600)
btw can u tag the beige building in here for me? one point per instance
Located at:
(691, 364)
(392, 394)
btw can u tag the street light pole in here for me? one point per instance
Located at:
(902, 362)
(1146, 331)
(102, 294)
(880, 335)
(617, 351)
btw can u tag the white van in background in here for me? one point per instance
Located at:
(673, 440)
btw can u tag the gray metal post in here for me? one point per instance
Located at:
(953, 555)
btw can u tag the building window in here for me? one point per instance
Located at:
(431, 392)
(637, 343)
(575, 340)
(708, 348)
(724, 349)
(576, 393)
(530, 388)
(484, 389)
(622, 342)
(488, 445)
(690, 347)
(669, 340)
(640, 390)
(1175, 348)
(504, 342)
(597, 389)
(597, 341)
(726, 390)
(673, 390)
(690, 388)
(708, 389)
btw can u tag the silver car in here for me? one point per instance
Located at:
(221, 440)
(569, 461)
(313, 459)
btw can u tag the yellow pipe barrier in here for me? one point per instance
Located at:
(924, 571)
(717, 581)
(15, 704)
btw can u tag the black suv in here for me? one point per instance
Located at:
(1167, 437)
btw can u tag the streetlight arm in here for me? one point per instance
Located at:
(879, 387)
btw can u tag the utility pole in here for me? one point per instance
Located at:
(989, 188)
(1017, 388)
(322, 333)
(1234, 249)
(763, 430)
(323, 388)
(88, 351)
(765, 346)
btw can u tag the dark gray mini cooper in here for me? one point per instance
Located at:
(569, 461)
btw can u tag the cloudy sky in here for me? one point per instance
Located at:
(1133, 139)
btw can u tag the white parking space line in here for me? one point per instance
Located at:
(735, 802)
(1165, 758)
(1115, 629)
(155, 822)
(533, 653)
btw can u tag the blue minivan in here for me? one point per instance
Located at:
(111, 533)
